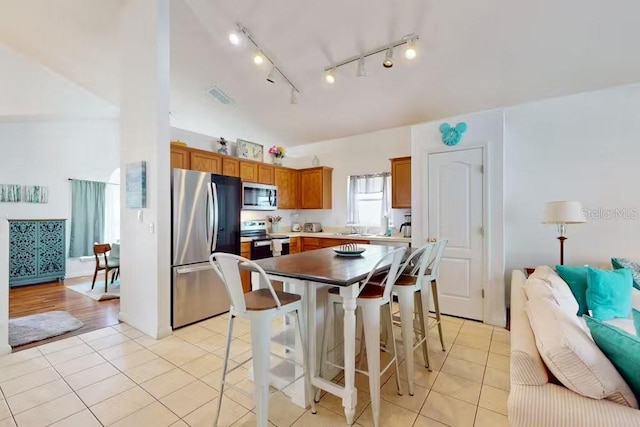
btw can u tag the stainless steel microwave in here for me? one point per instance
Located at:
(259, 197)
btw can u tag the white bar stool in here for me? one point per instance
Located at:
(371, 299)
(260, 307)
(412, 288)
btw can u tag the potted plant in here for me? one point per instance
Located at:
(277, 154)
(223, 147)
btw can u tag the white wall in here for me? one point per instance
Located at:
(485, 130)
(48, 153)
(353, 155)
(4, 286)
(584, 147)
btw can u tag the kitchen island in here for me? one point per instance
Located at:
(310, 274)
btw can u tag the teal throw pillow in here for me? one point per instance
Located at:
(621, 348)
(633, 266)
(576, 278)
(609, 293)
(636, 321)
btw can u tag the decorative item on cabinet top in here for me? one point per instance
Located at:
(250, 150)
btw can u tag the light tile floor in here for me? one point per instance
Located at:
(118, 376)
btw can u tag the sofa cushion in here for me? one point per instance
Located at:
(555, 288)
(609, 293)
(576, 278)
(622, 349)
(572, 356)
(633, 266)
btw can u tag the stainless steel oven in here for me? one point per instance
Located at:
(259, 197)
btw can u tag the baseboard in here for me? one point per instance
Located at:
(5, 349)
(162, 333)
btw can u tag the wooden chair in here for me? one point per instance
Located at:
(103, 262)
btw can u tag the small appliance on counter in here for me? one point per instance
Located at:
(312, 227)
(406, 227)
(295, 223)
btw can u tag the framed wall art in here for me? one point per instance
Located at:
(250, 150)
(136, 176)
(36, 194)
(10, 193)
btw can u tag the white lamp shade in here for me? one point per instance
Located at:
(565, 212)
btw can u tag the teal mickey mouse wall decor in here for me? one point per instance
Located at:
(452, 135)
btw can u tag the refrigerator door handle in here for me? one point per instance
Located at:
(185, 270)
(214, 234)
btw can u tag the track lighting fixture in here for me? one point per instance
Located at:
(234, 38)
(361, 71)
(329, 77)
(260, 57)
(409, 53)
(272, 74)
(388, 58)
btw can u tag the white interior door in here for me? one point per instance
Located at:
(456, 214)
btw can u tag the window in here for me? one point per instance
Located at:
(368, 199)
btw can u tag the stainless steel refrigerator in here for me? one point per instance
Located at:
(205, 219)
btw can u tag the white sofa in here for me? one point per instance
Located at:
(535, 400)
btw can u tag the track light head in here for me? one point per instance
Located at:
(258, 58)
(361, 71)
(410, 52)
(329, 77)
(294, 96)
(272, 74)
(388, 58)
(234, 38)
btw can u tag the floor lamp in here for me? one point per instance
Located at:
(563, 213)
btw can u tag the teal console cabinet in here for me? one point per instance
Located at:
(37, 251)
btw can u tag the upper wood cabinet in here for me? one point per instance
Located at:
(401, 182)
(315, 188)
(230, 166)
(287, 182)
(180, 157)
(248, 171)
(204, 161)
(266, 174)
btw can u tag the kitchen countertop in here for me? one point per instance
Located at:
(329, 235)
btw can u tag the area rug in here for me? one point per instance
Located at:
(98, 293)
(37, 327)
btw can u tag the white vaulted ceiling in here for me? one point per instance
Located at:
(472, 56)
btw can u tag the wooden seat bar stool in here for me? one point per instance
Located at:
(370, 300)
(260, 307)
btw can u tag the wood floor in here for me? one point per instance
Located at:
(34, 299)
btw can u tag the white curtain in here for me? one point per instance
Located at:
(360, 185)
(353, 216)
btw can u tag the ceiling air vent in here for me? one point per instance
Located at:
(220, 96)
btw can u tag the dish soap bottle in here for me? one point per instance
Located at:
(386, 230)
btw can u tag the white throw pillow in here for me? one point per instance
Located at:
(561, 291)
(571, 355)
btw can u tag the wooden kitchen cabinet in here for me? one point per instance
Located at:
(205, 161)
(180, 157)
(401, 182)
(230, 166)
(245, 252)
(294, 246)
(310, 243)
(248, 171)
(266, 174)
(287, 182)
(315, 188)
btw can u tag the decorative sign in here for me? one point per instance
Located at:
(10, 193)
(250, 150)
(451, 136)
(36, 194)
(137, 185)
